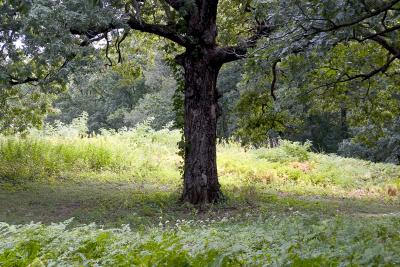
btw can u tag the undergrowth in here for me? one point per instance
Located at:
(285, 206)
(144, 155)
(296, 240)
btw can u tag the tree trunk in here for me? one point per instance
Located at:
(201, 112)
(344, 129)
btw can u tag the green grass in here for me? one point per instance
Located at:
(284, 206)
(295, 240)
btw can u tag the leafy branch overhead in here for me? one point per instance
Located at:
(296, 25)
(181, 22)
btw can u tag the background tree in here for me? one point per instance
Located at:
(114, 99)
(334, 74)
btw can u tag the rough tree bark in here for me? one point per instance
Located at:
(201, 66)
(201, 114)
(202, 61)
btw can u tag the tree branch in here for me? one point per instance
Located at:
(274, 79)
(160, 30)
(387, 30)
(13, 81)
(233, 53)
(118, 45)
(358, 20)
(361, 76)
(175, 4)
(92, 34)
(380, 40)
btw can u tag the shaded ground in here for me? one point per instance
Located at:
(113, 204)
(133, 177)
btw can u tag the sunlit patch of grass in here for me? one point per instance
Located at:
(315, 174)
(142, 155)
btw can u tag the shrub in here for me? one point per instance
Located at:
(287, 151)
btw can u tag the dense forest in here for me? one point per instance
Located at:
(233, 119)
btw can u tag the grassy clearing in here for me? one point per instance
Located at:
(285, 206)
(147, 157)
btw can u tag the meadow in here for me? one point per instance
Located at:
(112, 199)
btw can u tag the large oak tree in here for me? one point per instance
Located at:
(41, 39)
(50, 28)
(201, 61)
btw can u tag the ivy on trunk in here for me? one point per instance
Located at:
(201, 62)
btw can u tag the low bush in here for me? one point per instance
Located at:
(287, 151)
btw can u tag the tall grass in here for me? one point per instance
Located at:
(143, 155)
(59, 154)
